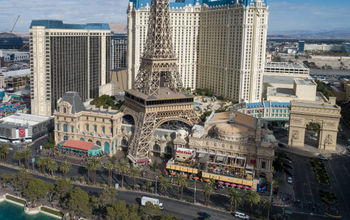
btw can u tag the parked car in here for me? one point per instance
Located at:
(321, 157)
(290, 180)
(241, 215)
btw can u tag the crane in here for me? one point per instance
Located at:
(14, 25)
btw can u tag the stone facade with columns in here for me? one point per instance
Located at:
(238, 135)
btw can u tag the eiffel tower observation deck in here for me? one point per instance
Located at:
(157, 96)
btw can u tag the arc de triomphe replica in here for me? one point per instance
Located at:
(325, 114)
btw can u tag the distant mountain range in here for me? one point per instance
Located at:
(343, 34)
(118, 28)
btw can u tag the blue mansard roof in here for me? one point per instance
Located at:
(56, 24)
(182, 3)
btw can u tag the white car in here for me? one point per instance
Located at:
(241, 215)
(290, 180)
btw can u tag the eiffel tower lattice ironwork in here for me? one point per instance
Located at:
(157, 95)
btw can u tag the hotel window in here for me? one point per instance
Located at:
(95, 128)
(58, 127)
(87, 127)
(103, 129)
(72, 128)
(263, 165)
(65, 128)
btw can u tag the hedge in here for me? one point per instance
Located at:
(22, 201)
(51, 211)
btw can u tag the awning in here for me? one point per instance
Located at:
(142, 160)
(233, 185)
(221, 182)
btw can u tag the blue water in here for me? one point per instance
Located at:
(9, 211)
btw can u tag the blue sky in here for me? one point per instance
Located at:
(285, 15)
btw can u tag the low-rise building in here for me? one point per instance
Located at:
(20, 128)
(231, 147)
(342, 92)
(286, 69)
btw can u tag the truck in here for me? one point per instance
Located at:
(154, 201)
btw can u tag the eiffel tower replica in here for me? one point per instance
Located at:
(157, 96)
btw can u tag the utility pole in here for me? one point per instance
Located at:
(195, 189)
(268, 213)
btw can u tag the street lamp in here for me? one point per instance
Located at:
(156, 184)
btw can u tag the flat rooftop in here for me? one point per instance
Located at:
(279, 79)
(57, 24)
(313, 104)
(285, 65)
(306, 82)
(24, 119)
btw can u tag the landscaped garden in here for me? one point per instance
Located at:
(320, 171)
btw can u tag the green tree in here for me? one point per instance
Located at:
(107, 197)
(95, 164)
(123, 168)
(18, 156)
(169, 217)
(62, 188)
(252, 197)
(6, 179)
(264, 205)
(77, 203)
(35, 190)
(164, 184)
(4, 151)
(235, 198)
(118, 210)
(152, 211)
(134, 172)
(148, 184)
(208, 190)
(21, 180)
(51, 166)
(183, 184)
(65, 167)
(41, 163)
(110, 167)
(26, 155)
(178, 180)
(89, 167)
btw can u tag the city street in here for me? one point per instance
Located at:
(180, 209)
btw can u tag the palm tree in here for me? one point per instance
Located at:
(208, 190)
(95, 164)
(178, 179)
(148, 184)
(18, 156)
(41, 163)
(164, 184)
(26, 154)
(235, 198)
(65, 167)
(110, 167)
(275, 184)
(134, 172)
(123, 168)
(264, 205)
(4, 150)
(51, 166)
(89, 167)
(183, 184)
(252, 197)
